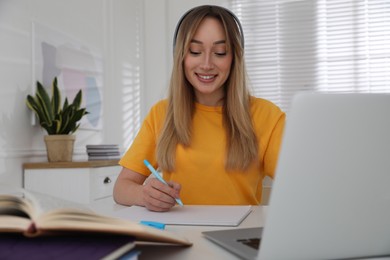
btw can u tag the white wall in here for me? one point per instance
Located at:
(135, 39)
(124, 70)
(109, 26)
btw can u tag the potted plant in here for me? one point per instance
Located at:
(59, 120)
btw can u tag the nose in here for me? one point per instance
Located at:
(207, 62)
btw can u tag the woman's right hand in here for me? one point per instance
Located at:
(158, 196)
(132, 188)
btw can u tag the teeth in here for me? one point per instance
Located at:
(206, 77)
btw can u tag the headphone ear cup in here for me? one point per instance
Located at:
(209, 6)
(178, 27)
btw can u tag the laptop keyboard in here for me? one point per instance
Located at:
(251, 242)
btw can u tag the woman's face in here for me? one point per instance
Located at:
(207, 63)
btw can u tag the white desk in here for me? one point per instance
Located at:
(202, 248)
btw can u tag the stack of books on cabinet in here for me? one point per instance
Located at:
(103, 152)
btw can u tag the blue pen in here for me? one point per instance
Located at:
(153, 224)
(158, 176)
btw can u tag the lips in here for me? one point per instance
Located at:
(206, 78)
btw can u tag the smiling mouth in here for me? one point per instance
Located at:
(206, 77)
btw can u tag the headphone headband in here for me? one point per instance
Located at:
(210, 6)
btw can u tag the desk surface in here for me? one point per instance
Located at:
(202, 247)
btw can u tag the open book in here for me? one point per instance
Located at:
(21, 213)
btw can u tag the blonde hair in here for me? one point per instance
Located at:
(241, 141)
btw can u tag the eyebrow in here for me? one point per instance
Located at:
(215, 43)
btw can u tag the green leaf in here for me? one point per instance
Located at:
(34, 106)
(44, 101)
(75, 128)
(53, 118)
(56, 98)
(65, 104)
(77, 100)
(49, 129)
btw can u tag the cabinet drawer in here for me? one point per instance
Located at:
(80, 184)
(102, 182)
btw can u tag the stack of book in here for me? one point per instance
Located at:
(103, 152)
(62, 231)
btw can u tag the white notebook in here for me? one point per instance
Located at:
(197, 215)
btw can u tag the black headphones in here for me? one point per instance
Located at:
(210, 6)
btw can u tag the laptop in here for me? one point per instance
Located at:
(331, 195)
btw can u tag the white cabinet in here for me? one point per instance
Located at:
(81, 182)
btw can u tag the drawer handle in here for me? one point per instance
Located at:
(107, 180)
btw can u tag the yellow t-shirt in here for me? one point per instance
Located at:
(200, 168)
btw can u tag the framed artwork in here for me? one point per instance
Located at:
(76, 66)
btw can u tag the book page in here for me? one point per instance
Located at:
(16, 211)
(20, 210)
(36, 204)
(66, 220)
(57, 217)
(15, 198)
(13, 224)
(48, 203)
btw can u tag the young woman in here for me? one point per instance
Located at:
(211, 139)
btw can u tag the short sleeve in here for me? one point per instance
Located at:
(144, 144)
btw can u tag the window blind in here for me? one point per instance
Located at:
(315, 45)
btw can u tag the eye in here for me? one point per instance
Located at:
(194, 52)
(220, 53)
